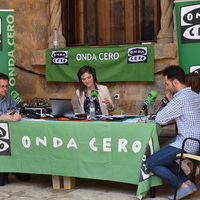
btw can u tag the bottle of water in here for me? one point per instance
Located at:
(92, 110)
(55, 39)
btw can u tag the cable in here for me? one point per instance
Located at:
(158, 73)
(29, 71)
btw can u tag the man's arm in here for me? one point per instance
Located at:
(172, 111)
(14, 117)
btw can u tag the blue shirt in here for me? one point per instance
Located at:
(6, 103)
(185, 109)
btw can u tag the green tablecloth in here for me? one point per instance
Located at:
(113, 151)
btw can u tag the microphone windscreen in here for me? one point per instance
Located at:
(16, 97)
(94, 93)
(151, 97)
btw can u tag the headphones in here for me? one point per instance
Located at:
(93, 72)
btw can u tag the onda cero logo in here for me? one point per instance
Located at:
(4, 139)
(137, 54)
(144, 171)
(190, 24)
(59, 57)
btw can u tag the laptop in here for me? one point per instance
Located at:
(62, 107)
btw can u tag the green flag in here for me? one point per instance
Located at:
(188, 32)
(7, 64)
(112, 63)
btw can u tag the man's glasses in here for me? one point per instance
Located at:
(4, 86)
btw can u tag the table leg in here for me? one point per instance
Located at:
(57, 182)
(69, 182)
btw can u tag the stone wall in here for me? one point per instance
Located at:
(32, 20)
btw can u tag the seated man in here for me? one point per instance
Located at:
(184, 108)
(7, 105)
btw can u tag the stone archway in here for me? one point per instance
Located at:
(165, 34)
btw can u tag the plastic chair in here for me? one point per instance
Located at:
(194, 158)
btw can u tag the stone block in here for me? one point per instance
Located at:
(38, 57)
(165, 51)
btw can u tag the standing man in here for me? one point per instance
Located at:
(184, 108)
(7, 105)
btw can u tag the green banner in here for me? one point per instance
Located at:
(188, 34)
(7, 64)
(112, 63)
(113, 151)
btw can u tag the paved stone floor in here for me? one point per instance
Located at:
(40, 188)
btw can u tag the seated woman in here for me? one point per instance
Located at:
(193, 80)
(87, 83)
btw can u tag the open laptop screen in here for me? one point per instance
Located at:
(61, 107)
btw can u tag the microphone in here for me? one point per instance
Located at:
(151, 97)
(164, 102)
(94, 94)
(18, 100)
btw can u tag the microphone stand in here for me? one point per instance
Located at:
(153, 116)
(146, 114)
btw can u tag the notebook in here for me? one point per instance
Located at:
(62, 107)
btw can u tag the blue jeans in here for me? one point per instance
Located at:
(163, 165)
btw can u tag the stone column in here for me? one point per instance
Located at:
(165, 34)
(55, 22)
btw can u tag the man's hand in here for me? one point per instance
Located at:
(169, 95)
(16, 117)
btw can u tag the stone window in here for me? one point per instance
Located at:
(107, 22)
